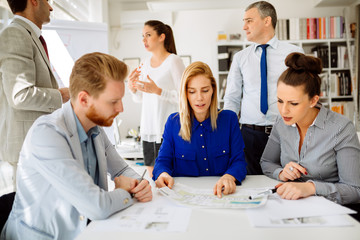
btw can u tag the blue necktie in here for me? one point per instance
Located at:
(263, 68)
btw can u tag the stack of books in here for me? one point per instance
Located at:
(311, 28)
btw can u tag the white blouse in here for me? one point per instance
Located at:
(156, 109)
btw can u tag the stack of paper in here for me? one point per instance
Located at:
(307, 212)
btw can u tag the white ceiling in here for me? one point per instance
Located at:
(174, 5)
(333, 3)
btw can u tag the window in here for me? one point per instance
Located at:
(76, 10)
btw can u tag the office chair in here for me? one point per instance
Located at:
(6, 202)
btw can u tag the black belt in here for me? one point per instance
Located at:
(265, 129)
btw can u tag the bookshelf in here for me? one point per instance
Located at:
(226, 51)
(338, 90)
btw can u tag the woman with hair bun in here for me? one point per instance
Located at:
(313, 150)
(156, 85)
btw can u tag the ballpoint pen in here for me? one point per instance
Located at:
(142, 178)
(261, 194)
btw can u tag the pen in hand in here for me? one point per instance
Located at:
(265, 193)
(142, 178)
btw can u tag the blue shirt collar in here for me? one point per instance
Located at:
(83, 136)
(206, 124)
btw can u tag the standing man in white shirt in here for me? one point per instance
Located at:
(28, 88)
(252, 80)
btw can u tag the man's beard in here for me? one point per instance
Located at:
(93, 115)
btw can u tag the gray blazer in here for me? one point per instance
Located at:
(28, 88)
(55, 194)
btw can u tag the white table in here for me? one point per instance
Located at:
(129, 149)
(221, 224)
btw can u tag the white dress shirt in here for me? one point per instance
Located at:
(244, 81)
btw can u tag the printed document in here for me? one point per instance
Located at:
(205, 198)
(148, 217)
(314, 211)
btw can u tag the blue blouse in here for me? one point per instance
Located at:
(209, 153)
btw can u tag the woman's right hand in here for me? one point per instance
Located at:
(133, 78)
(164, 180)
(292, 171)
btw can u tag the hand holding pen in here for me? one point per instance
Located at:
(265, 193)
(142, 178)
(142, 192)
(296, 190)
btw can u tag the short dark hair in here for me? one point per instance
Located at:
(17, 5)
(303, 71)
(265, 9)
(161, 28)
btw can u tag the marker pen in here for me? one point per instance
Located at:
(261, 194)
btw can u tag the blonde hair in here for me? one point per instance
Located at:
(186, 112)
(91, 72)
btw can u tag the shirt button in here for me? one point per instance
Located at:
(126, 200)
(200, 124)
(205, 159)
(81, 217)
(182, 155)
(223, 151)
(203, 146)
(200, 135)
(207, 169)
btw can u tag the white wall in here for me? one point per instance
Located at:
(195, 34)
(98, 10)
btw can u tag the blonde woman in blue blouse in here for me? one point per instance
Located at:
(200, 140)
(313, 150)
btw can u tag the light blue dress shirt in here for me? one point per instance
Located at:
(244, 81)
(88, 149)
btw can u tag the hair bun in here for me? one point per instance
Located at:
(300, 62)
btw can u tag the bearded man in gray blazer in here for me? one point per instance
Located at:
(66, 158)
(28, 88)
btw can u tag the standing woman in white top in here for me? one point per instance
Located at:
(156, 84)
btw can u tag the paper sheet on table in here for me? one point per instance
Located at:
(148, 217)
(313, 211)
(205, 198)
